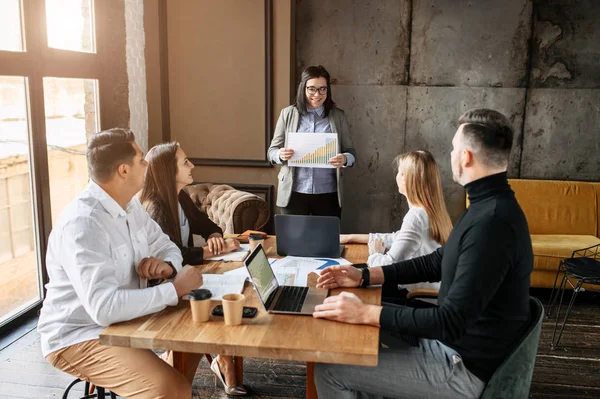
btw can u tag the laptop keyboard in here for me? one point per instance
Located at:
(291, 299)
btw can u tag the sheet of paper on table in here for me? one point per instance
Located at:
(293, 270)
(221, 284)
(236, 256)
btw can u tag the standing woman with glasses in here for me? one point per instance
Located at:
(311, 191)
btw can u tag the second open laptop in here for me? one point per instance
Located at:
(308, 236)
(280, 298)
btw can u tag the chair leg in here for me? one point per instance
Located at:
(554, 292)
(68, 388)
(575, 292)
(560, 293)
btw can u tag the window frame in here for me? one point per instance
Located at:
(36, 62)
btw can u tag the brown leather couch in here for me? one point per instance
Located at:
(563, 216)
(233, 210)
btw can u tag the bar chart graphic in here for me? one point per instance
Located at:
(312, 150)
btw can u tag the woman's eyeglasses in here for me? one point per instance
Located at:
(314, 90)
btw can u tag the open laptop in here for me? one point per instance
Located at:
(308, 236)
(280, 298)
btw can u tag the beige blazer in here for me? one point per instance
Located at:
(288, 121)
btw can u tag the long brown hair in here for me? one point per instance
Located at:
(159, 194)
(424, 189)
(313, 72)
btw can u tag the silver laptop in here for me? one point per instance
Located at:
(280, 298)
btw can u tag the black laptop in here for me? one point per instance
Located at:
(308, 236)
(280, 298)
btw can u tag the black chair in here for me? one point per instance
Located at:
(89, 393)
(584, 267)
(512, 379)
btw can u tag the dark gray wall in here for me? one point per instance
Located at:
(405, 70)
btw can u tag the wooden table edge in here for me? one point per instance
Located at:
(301, 355)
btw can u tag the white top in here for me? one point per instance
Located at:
(92, 256)
(411, 241)
(185, 226)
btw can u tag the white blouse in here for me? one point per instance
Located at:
(411, 241)
(185, 227)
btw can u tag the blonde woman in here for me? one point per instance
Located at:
(426, 225)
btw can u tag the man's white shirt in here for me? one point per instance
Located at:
(93, 252)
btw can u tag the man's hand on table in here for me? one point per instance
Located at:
(189, 278)
(339, 276)
(348, 308)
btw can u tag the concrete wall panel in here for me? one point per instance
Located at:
(468, 43)
(432, 120)
(376, 115)
(566, 45)
(562, 135)
(359, 42)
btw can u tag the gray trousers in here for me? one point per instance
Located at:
(431, 370)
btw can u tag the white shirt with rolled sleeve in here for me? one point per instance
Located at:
(92, 256)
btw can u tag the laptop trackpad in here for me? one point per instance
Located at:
(314, 297)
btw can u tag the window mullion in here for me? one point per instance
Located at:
(35, 35)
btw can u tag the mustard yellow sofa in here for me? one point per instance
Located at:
(563, 216)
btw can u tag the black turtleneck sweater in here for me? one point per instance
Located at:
(484, 270)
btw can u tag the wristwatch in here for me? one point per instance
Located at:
(174, 271)
(366, 277)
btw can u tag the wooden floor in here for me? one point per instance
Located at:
(571, 371)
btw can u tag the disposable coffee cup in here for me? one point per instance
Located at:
(233, 305)
(200, 304)
(254, 240)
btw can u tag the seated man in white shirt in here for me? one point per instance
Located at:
(100, 253)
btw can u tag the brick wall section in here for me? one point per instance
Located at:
(136, 71)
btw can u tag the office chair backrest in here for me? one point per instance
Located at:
(512, 379)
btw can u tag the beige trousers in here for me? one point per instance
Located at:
(128, 372)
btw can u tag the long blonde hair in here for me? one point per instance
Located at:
(424, 189)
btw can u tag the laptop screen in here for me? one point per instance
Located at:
(262, 275)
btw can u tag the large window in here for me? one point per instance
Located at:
(49, 106)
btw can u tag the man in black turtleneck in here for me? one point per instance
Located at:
(484, 270)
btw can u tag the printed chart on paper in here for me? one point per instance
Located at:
(312, 150)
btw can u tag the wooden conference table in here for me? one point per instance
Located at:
(270, 336)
